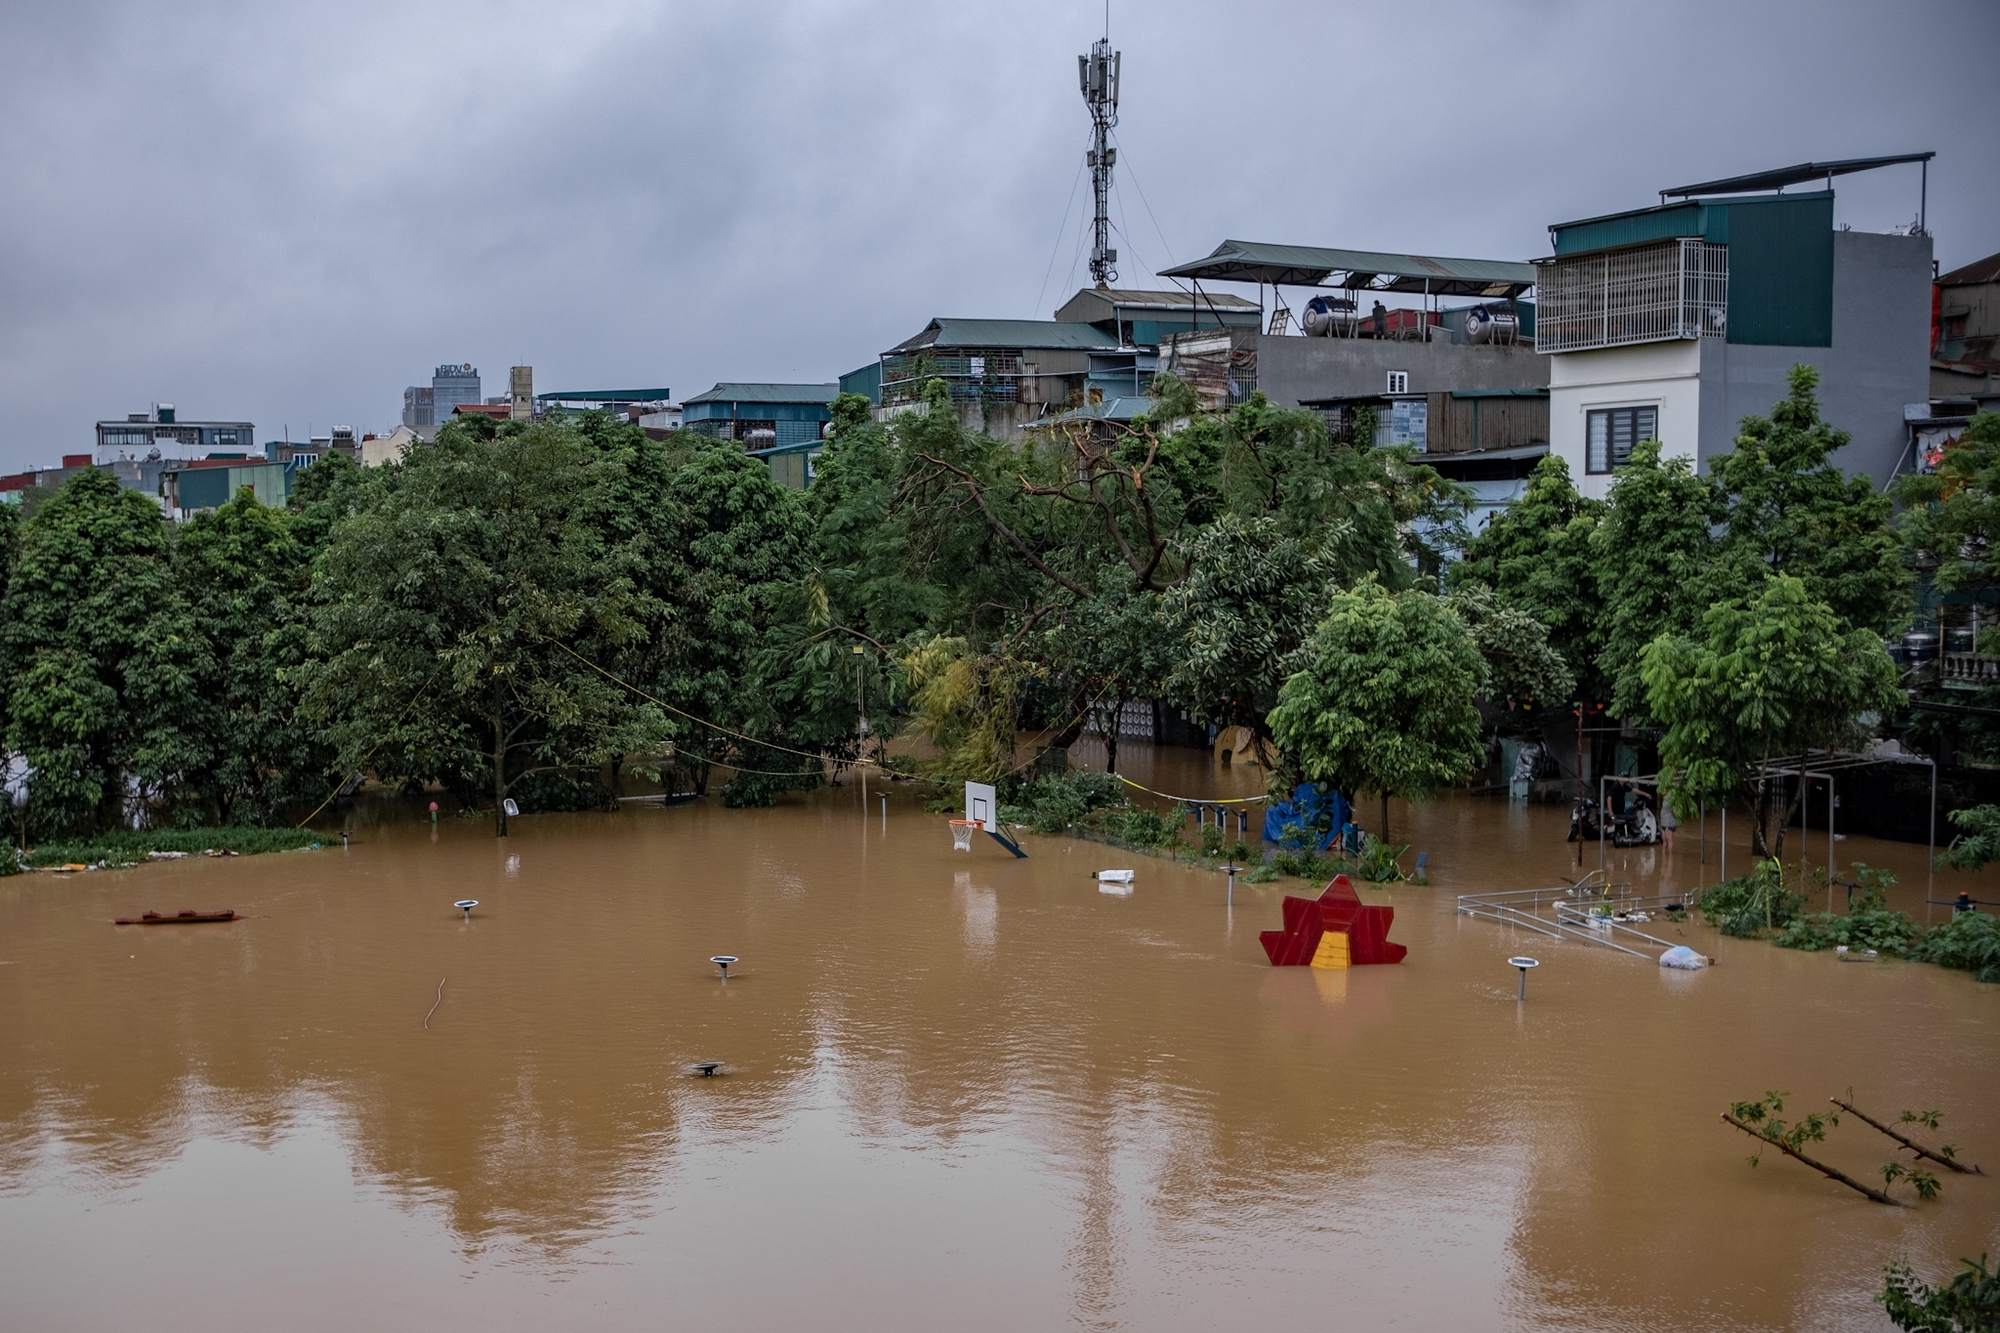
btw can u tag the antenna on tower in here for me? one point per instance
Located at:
(1098, 74)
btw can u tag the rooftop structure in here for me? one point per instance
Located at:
(761, 416)
(143, 433)
(1676, 321)
(1002, 373)
(583, 399)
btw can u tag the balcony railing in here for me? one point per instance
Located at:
(1647, 293)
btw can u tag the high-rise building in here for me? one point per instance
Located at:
(419, 406)
(451, 386)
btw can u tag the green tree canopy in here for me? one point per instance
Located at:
(1791, 510)
(445, 604)
(1536, 557)
(1383, 698)
(1773, 675)
(105, 664)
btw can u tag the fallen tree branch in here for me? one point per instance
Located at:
(1911, 1144)
(1821, 1167)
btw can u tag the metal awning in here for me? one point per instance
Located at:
(1798, 175)
(1358, 270)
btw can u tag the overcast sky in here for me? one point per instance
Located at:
(287, 213)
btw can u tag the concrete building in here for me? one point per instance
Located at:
(1965, 341)
(140, 433)
(1002, 374)
(419, 407)
(379, 449)
(761, 416)
(521, 393)
(1675, 322)
(188, 487)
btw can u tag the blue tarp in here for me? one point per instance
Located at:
(1312, 806)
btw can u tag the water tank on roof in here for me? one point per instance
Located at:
(1490, 326)
(1327, 316)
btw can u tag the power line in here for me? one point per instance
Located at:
(1056, 249)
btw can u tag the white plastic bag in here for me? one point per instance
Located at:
(1683, 957)
(1114, 877)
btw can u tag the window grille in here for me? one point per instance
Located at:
(1647, 293)
(1611, 433)
(1399, 381)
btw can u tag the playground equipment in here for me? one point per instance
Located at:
(1335, 929)
(982, 811)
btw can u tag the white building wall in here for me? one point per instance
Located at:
(1665, 375)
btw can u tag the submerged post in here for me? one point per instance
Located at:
(1524, 964)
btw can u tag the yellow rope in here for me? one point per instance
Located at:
(1193, 800)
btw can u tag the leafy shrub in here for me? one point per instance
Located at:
(1263, 874)
(1970, 942)
(10, 861)
(1059, 801)
(1873, 928)
(1968, 1302)
(1143, 828)
(1751, 904)
(126, 847)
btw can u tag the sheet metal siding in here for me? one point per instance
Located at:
(867, 381)
(1655, 224)
(755, 411)
(1780, 270)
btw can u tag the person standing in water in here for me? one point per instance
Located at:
(1667, 824)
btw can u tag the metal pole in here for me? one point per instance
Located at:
(1723, 873)
(1930, 864)
(1603, 820)
(1829, 842)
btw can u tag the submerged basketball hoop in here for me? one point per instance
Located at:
(961, 834)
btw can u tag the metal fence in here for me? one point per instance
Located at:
(1648, 293)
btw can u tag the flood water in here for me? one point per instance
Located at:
(963, 1091)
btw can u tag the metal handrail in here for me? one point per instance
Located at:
(1505, 907)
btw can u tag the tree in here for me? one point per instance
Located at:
(1790, 510)
(1242, 619)
(1773, 675)
(1950, 522)
(1536, 557)
(1111, 648)
(244, 577)
(1654, 560)
(447, 602)
(1383, 699)
(1521, 665)
(103, 661)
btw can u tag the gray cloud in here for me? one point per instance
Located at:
(288, 213)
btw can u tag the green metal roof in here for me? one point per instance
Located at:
(1798, 175)
(606, 396)
(1312, 265)
(767, 393)
(1035, 334)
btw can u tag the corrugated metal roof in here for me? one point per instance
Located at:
(1111, 409)
(1175, 300)
(606, 396)
(1982, 270)
(767, 393)
(1798, 175)
(1040, 334)
(1312, 265)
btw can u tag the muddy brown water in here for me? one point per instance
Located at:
(963, 1091)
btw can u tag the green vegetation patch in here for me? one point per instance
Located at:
(127, 847)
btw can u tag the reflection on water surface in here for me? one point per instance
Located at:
(965, 1091)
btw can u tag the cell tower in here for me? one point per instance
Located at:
(1098, 73)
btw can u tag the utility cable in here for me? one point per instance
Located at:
(1192, 800)
(1056, 249)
